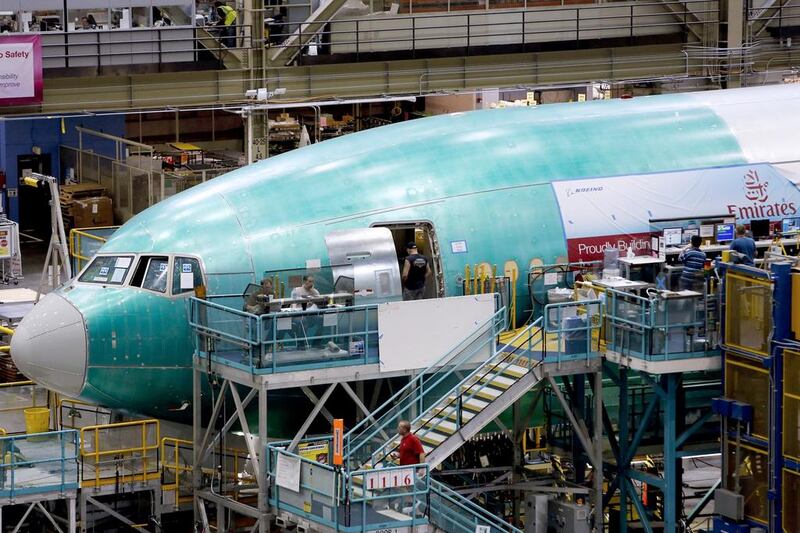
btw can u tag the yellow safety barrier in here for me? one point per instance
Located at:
(106, 460)
(76, 237)
(6, 331)
(13, 403)
(539, 439)
(171, 462)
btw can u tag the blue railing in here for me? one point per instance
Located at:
(37, 463)
(427, 388)
(387, 498)
(572, 331)
(284, 341)
(367, 500)
(453, 513)
(656, 328)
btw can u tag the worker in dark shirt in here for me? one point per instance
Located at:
(694, 260)
(744, 245)
(415, 273)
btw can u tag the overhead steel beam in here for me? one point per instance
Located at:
(348, 80)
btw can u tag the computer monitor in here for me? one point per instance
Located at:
(760, 228)
(687, 235)
(706, 231)
(724, 232)
(672, 236)
(790, 224)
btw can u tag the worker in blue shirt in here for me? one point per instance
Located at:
(694, 260)
(744, 245)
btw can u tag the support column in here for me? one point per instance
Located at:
(516, 436)
(598, 450)
(71, 519)
(263, 502)
(197, 438)
(734, 15)
(672, 467)
(623, 449)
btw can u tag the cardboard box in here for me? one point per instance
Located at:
(92, 212)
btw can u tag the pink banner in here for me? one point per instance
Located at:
(21, 81)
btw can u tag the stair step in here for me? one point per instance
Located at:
(484, 392)
(498, 381)
(474, 404)
(442, 425)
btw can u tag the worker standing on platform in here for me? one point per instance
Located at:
(416, 268)
(744, 245)
(410, 450)
(227, 19)
(694, 260)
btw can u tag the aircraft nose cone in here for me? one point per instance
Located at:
(49, 345)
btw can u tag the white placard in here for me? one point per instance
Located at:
(458, 247)
(313, 263)
(187, 280)
(483, 529)
(330, 319)
(389, 479)
(284, 323)
(123, 262)
(551, 278)
(287, 472)
(118, 275)
(94, 209)
(17, 72)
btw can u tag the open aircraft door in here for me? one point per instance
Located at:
(368, 256)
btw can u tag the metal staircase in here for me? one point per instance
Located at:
(454, 399)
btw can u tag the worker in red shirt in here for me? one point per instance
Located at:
(410, 451)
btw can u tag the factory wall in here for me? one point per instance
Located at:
(19, 137)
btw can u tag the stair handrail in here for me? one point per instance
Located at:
(496, 323)
(470, 507)
(492, 370)
(496, 352)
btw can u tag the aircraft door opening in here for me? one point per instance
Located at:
(424, 235)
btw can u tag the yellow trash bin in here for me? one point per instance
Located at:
(37, 420)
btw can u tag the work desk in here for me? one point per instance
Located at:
(299, 304)
(621, 284)
(715, 248)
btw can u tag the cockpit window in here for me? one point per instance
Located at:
(186, 275)
(108, 270)
(155, 276)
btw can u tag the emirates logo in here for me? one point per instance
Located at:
(755, 189)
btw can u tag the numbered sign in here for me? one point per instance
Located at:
(389, 479)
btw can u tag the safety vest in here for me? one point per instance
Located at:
(230, 15)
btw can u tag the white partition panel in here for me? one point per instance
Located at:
(416, 334)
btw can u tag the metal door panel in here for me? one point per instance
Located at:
(371, 253)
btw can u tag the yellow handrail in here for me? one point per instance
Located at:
(75, 236)
(96, 453)
(6, 331)
(33, 398)
(170, 460)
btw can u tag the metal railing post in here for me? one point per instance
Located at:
(631, 26)
(414, 36)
